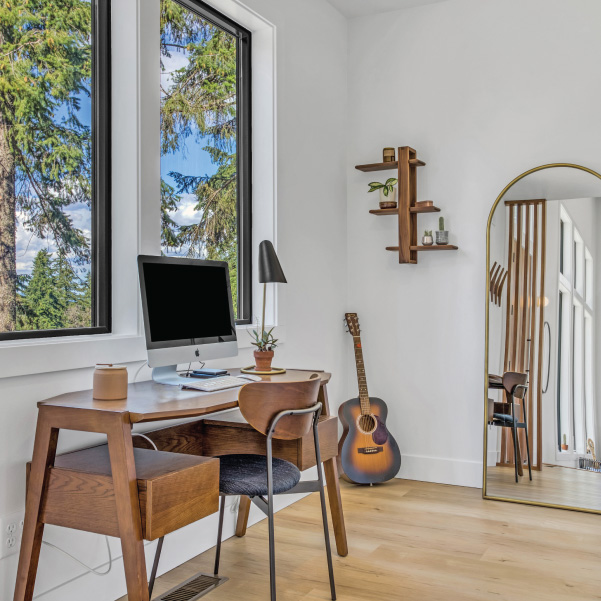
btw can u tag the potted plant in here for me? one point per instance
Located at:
(564, 445)
(387, 192)
(265, 344)
(442, 236)
(427, 239)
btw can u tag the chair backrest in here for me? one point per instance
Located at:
(260, 402)
(511, 379)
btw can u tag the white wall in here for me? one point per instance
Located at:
(309, 228)
(483, 91)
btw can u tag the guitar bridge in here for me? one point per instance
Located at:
(370, 450)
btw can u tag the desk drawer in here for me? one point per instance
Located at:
(230, 434)
(174, 490)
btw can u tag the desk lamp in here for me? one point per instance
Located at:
(270, 271)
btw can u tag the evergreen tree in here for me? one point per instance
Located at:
(42, 298)
(45, 152)
(200, 103)
(78, 313)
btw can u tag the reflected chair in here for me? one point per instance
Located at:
(280, 411)
(515, 386)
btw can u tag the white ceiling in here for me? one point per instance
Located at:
(358, 8)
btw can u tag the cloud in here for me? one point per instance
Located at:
(28, 244)
(186, 214)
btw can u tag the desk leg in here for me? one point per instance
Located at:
(332, 482)
(44, 452)
(123, 469)
(243, 511)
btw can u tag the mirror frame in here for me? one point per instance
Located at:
(486, 332)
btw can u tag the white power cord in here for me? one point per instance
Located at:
(139, 370)
(81, 563)
(145, 438)
(108, 546)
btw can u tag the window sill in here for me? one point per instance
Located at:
(44, 355)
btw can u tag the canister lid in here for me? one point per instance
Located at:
(109, 366)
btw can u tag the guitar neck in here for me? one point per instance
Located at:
(361, 378)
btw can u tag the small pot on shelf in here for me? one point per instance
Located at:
(442, 235)
(388, 202)
(388, 193)
(427, 239)
(263, 360)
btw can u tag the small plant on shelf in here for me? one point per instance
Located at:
(564, 445)
(442, 235)
(427, 239)
(387, 192)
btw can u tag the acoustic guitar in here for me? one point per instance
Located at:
(368, 453)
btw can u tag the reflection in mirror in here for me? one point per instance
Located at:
(543, 440)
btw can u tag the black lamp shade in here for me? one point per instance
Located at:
(270, 269)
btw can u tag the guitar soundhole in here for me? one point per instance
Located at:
(367, 423)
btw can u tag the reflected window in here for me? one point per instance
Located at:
(575, 368)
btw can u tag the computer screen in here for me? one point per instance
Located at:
(186, 302)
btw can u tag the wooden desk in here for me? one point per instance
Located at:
(146, 402)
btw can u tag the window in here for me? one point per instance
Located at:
(55, 169)
(205, 141)
(575, 386)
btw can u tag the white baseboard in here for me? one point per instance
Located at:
(441, 470)
(492, 458)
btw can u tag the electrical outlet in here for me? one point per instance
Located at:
(11, 529)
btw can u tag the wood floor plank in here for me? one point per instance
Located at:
(415, 541)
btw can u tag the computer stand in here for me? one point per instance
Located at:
(167, 375)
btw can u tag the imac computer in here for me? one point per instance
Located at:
(188, 313)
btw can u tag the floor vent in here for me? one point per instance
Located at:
(193, 588)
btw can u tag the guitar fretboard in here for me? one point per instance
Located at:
(361, 379)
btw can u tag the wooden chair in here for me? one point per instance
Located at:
(515, 385)
(281, 411)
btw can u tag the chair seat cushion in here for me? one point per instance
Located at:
(247, 475)
(502, 417)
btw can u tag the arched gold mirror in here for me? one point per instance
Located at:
(542, 398)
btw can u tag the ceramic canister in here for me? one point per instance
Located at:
(110, 382)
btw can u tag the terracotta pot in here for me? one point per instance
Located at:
(263, 360)
(564, 447)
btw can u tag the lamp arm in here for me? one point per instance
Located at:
(263, 318)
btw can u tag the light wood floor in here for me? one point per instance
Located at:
(554, 484)
(415, 541)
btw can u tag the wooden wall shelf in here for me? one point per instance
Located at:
(433, 247)
(431, 209)
(436, 247)
(408, 207)
(378, 166)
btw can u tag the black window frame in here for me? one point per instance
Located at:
(101, 185)
(243, 149)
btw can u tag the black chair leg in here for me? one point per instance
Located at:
(155, 566)
(219, 533)
(270, 520)
(324, 514)
(515, 451)
(528, 450)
